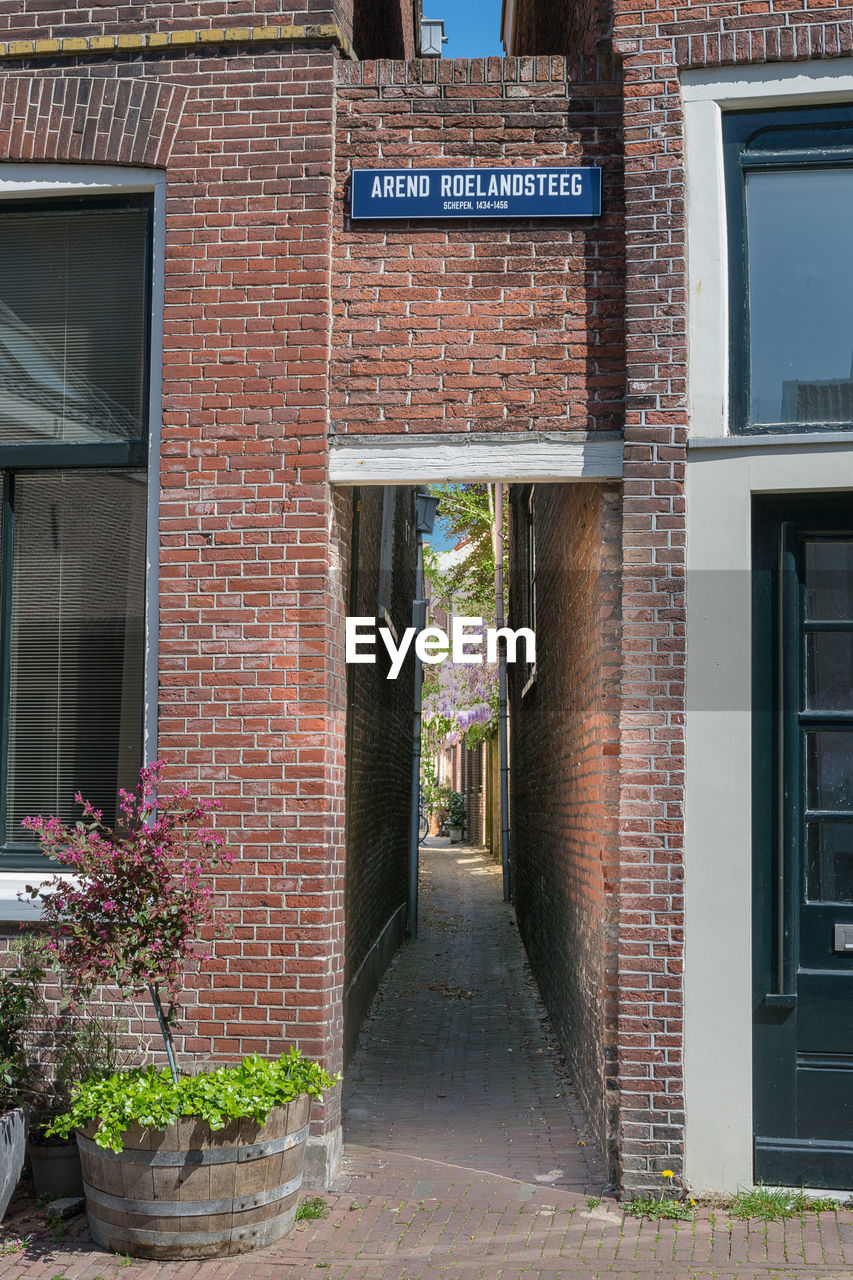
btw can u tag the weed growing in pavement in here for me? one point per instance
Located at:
(13, 1244)
(777, 1204)
(313, 1207)
(663, 1207)
(592, 1202)
(649, 1207)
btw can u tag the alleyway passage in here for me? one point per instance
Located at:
(456, 1062)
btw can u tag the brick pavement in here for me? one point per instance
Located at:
(456, 1062)
(414, 1201)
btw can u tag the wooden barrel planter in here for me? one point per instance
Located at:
(191, 1192)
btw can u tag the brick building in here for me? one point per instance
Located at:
(207, 357)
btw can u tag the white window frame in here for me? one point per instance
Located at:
(38, 182)
(706, 95)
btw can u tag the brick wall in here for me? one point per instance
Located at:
(384, 29)
(46, 19)
(560, 26)
(564, 776)
(252, 692)
(478, 326)
(654, 43)
(379, 754)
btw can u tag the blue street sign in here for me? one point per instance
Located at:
(546, 192)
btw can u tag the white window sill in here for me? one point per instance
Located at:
(11, 884)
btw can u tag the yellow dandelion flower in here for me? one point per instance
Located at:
(667, 1173)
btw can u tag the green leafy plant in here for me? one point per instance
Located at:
(649, 1207)
(153, 1099)
(777, 1204)
(60, 1045)
(313, 1207)
(436, 794)
(20, 999)
(456, 810)
(662, 1207)
(592, 1202)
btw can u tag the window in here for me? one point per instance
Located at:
(789, 184)
(74, 341)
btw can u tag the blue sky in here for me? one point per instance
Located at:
(472, 26)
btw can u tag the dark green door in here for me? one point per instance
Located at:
(803, 840)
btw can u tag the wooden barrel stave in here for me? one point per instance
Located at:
(190, 1192)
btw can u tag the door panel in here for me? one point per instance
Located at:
(803, 840)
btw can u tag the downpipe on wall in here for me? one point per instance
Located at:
(425, 509)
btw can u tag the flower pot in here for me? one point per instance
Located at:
(455, 834)
(192, 1192)
(13, 1148)
(56, 1169)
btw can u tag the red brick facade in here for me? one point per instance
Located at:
(379, 759)
(253, 576)
(285, 322)
(564, 777)
(487, 327)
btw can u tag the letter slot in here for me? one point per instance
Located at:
(844, 938)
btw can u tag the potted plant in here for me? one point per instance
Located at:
(456, 816)
(436, 798)
(174, 1166)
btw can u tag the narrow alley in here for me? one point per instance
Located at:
(455, 1062)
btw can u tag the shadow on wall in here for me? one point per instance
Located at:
(383, 29)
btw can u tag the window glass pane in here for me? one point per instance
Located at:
(72, 324)
(830, 861)
(76, 642)
(829, 764)
(800, 272)
(829, 671)
(829, 580)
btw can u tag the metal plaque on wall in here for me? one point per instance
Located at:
(546, 192)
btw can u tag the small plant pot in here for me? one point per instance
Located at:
(455, 834)
(56, 1169)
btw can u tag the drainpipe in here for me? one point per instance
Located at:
(425, 509)
(502, 715)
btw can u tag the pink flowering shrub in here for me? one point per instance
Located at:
(140, 897)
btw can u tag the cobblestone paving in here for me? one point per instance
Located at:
(456, 1062)
(442, 1180)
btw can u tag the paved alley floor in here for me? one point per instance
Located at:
(455, 1062)
(464, 1156)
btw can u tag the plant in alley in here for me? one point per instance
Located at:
(151, 1098)
(138, 905)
